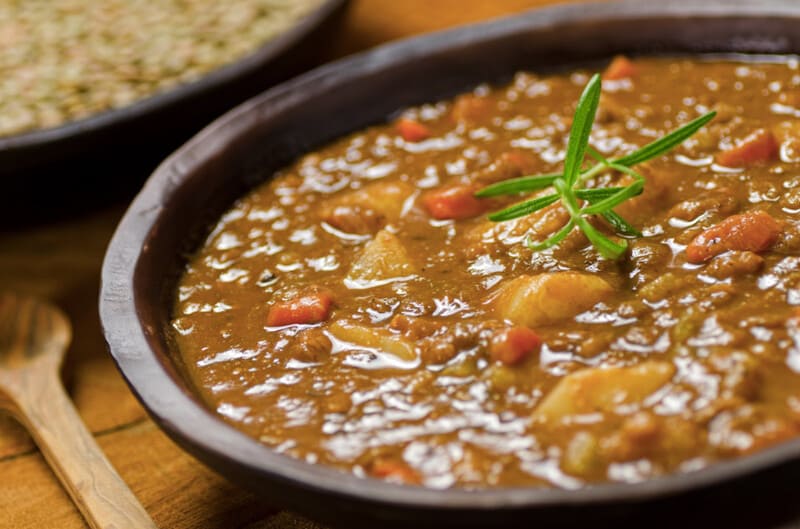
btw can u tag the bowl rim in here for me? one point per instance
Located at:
(161, 100)
(182, 417)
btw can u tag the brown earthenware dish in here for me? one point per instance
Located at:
(189, 191)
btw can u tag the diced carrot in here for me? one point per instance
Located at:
(620, 67)
(754, 231)
(453, 202)
(395, 471)
(760, 146)
(469, 108)
(412, 130)
(311, 307)
(512, 346)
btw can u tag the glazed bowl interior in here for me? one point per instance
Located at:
(191, 189)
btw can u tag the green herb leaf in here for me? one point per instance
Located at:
(567, 196)
(554, 239)
(666, 143)
(523, 208)
(581, 129)
(598, 193)
(620, 225)
(607, 248)
(594, 153)
(604, 245)
(513, 186)
(614, 200)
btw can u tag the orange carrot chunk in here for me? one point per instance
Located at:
(394, 471)
(411, 130)
(754, 231)
(514, 345)
(760, 146)
(620, 67)
(312, 307)
(453, 202)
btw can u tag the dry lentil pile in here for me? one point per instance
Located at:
(64, 60)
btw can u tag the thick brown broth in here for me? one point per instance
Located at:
(649, 365)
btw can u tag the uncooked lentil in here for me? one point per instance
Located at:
(64, 60)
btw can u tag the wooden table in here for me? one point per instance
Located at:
(62, 262)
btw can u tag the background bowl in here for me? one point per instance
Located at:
(195, 185)
(103, 156)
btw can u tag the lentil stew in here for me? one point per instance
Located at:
(360, 311)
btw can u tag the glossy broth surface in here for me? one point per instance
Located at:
(399, 361)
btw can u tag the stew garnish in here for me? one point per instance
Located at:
(597, 201)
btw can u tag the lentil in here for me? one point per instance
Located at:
(64, 60)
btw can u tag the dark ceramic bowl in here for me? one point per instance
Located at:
(199, 182)
(103, 156)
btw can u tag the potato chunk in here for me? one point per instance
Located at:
(547, 298)
(599, 389)
(383, 260)
(374, 338)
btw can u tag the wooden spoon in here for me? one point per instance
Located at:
(33, 338)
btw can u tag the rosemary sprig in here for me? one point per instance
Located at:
(581, 202)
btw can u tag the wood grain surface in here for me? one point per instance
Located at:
(34, 336)
(62, 261)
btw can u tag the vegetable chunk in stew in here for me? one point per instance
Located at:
(361, 310)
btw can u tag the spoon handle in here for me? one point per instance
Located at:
(103, 498)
